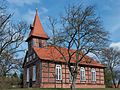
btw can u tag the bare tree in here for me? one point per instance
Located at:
(111, 59)
(11, 38)
(81, 30)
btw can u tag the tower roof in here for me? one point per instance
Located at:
(37, 29)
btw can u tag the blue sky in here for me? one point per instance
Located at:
(108, 10)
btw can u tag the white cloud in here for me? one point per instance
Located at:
(29, 16)
(43, 10)
(115, 45)
(22, 2)
(115, 28)
(107, 8)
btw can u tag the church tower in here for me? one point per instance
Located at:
(37, 37)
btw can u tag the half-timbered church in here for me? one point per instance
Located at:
(44, 66)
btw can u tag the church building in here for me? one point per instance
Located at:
(44, 66)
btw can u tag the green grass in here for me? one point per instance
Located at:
(62, 89)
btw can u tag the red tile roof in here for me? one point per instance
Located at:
(52, 54)
(37, 29)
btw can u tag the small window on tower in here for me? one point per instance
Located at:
(44, 43)
(35, 42)
(40, 43)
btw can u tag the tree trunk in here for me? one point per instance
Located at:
(73, 84)
(118, 83)
(114, 83)
(113, 78)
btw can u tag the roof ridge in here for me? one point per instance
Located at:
(52, 54)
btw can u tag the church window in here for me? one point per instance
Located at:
(93, 75)
(34, 73)
(27, 74)
(58, 72)
(82, 74)
(40, 43)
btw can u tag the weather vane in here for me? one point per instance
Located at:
(36, 9)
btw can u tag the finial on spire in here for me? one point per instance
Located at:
(36, 10)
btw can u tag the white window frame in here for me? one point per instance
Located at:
(58, 72)
(82, 74)
(93, 75)
(27, 74)
(34, 73)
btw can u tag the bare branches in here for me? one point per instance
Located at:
(111, 58)
(80, 29)
(11, 38)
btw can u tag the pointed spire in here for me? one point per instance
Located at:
(37, 29)
(36, 10)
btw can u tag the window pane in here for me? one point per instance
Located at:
(93, 74)
(34, 73)
(27, 74)
(58, 72)
(82, 74)
(40, 43)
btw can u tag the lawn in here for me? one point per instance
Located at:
(62, 89)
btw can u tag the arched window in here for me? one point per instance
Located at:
(93, 74)
(58, 72)
(82, 74)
